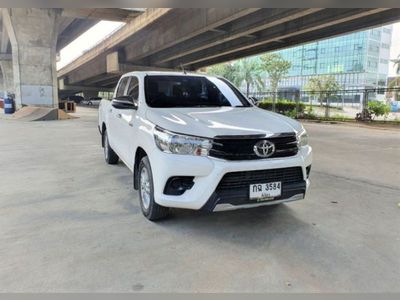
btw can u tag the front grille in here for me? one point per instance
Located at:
(234, 148)
(234, 187)
(235, 180)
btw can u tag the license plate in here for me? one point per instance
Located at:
(265, 191)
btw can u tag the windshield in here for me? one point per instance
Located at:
(191, 91)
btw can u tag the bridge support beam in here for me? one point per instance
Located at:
(33, 37)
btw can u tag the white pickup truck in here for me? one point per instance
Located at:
(194, 141)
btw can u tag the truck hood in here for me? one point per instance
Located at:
(210, 122)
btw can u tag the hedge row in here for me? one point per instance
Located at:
(282, 106)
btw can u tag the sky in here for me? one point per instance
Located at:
(103, 28)
(85, 41)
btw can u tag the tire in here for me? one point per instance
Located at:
(150, 209)
(109, 155)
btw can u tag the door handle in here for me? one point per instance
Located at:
(110, 110)
(119, 116)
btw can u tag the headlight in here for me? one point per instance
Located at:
(175, 143)
(302, 138)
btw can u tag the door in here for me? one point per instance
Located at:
(114, 132)
(125, 119)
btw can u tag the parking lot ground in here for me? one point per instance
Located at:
(71, 223)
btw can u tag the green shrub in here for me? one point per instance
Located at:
(379, 108)
(291, 113)
(283, 106)
(309, 113)
(339, 117)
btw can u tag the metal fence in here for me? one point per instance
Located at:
(349, 101)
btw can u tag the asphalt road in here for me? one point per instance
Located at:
(71, 223)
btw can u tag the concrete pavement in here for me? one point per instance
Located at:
(71, 223)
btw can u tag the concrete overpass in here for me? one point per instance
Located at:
(30, 40)
(193, 38)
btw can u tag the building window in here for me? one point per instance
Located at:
(381, 82)
(375, 33)
(372, 64)
(322, 50)
(374, 48)
(385, 46)
(357, 66)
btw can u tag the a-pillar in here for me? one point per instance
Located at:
(8, 77)
(33, 37)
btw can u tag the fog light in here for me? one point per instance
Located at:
(178, 185)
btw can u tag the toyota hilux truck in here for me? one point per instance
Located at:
(195, 141)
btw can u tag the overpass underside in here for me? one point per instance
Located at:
(164, 39)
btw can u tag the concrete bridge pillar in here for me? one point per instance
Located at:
(33, 37)
(8, 76)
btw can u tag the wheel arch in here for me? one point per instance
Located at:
(139, 154)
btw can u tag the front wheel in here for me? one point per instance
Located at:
(150, 209)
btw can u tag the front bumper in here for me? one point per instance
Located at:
(239, 197)
(208, 173)
(228, 206)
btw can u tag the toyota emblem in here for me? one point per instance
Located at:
(264, 148)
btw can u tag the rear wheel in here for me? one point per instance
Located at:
(109, 155)
(150, 209)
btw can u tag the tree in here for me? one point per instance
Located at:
(244, 71)
(325, 87)
(248, 72)
(394, 83)
(226, 70)
(397, 64)
(276, 68)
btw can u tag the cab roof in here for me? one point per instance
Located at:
(165, 73)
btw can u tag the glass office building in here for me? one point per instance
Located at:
(357, 60)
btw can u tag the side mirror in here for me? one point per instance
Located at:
(124, 102)
(254, 100)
